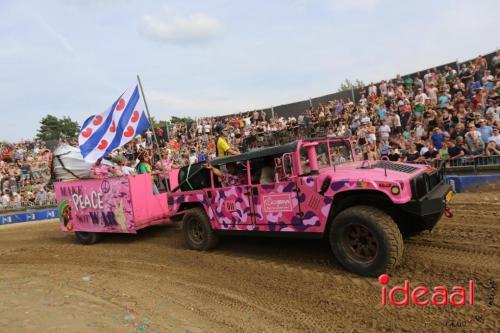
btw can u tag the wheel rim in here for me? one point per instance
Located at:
(195, 231)
(360, 243)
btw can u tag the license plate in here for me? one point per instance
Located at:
(449, 195)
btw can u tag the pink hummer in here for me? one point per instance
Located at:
(313, 188)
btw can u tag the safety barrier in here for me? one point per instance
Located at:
(30, 216)
(466, 183)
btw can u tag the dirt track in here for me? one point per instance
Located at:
(151, 283)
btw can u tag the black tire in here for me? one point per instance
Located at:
(366, 241)
(197, 231)
(88, 238)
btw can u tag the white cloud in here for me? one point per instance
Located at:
(170, 28)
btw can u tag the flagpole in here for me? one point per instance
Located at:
(154, 133)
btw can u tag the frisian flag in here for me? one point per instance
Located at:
(120, 123)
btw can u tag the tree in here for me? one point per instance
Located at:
(69, 128)
(52, 128)
(348, 85)
(158, 123)
(175, 120)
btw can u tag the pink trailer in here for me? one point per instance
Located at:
(91, 207)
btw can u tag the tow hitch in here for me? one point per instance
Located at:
(447, 212)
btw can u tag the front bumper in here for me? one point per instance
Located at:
(430, 207)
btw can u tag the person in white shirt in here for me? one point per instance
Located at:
(16, 200)
(192, 157)
(208, 128)
(149, 137)
(421, 97)
(433, 91)
(385, 131)
(493, 111)
(383, 88)
(495, 137)
(372, 89)
(362, 100)
(5, 200)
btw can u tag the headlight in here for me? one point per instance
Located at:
(395, 190)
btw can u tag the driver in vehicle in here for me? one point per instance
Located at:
(230, 178)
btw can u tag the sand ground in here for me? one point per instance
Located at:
(151, 283)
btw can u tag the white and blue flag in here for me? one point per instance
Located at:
(105, 132)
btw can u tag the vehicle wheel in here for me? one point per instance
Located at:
(366, 241)
(197, 230)
(88, 238)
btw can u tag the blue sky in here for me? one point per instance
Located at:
(213, 57)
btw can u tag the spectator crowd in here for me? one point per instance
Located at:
(450, 115)
(25, 175)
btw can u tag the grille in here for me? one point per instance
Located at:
(394, 166)
(424, 183)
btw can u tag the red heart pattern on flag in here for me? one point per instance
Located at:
(97, 120)
(129, 132)
(120, 105)
(88, 131)
(103, 145)
(135, 116)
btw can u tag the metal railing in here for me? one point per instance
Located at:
(25, 205)
(466, 163)
(475, 163)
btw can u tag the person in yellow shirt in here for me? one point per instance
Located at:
(222, 146)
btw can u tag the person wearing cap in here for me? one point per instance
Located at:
(222, 146)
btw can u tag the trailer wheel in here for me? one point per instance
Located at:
(197, 230)
(88, 238)
(366, 241)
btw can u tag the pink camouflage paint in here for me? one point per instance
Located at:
(294, 205)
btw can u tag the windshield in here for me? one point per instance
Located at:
(328, 153)
(340, 152)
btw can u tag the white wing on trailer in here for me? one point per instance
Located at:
(68, 163)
